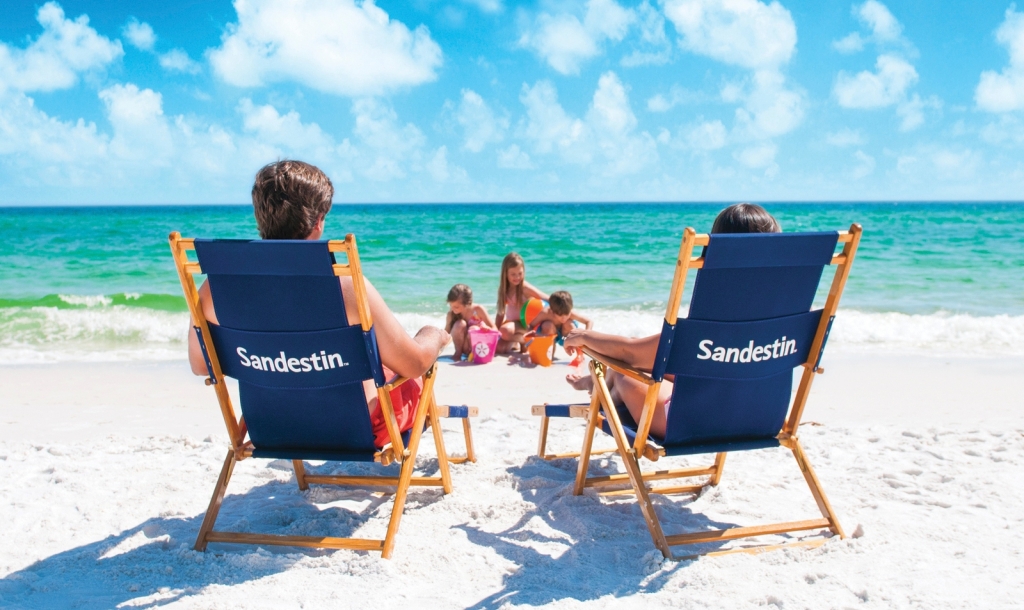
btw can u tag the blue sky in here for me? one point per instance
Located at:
(490, 100)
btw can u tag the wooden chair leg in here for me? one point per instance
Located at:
(215, 502)
(588, 442)
(300, 474)
(719, 466)
(442, 454)
(629, 460)
(409, 462)
(542, 444)
(819, 494)
(467, 431)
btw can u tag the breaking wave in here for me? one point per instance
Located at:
(124, 327)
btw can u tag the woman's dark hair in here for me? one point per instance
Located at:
(745, 218)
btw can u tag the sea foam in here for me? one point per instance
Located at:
(98, 331)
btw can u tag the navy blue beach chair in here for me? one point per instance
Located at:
(731, 360)
(283, 333)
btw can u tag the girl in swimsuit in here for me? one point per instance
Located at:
(513, 292)
(462, 316)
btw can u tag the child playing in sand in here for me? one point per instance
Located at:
(513, 293)
(558, 318)
(462, 316)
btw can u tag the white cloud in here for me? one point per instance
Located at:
(851, 43)
(707, 135)
(759, 156)
(53, 61)
(487, 6)
(1004, 92)
(565, 42)
(441, 170)
(744, 33)
(845, 137)
(676, 96)
(46, 144)
(770, 109)
(911, 111)
(177, 60)
(884, 87)
(139, 35)
(654, 48)
(884, 29)
(876, 16)
(390, 143)
(287, 131)
(606, 137)
(479, 124)
(865, 165)
(760, 37)
(334, 46)
(514, 158)
(141, 131)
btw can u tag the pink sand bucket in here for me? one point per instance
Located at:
(483, 343)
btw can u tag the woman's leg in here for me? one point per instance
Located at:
(460, 338)
(630, 392)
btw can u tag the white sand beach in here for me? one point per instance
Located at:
(107, 469)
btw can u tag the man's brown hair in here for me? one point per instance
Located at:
(289, 198)
(561, 303)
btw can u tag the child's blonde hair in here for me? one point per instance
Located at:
(511, 261)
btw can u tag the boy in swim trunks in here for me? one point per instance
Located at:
(558, 318)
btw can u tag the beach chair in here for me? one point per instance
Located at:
(750, 324)
(284, 336)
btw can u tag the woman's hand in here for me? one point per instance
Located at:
(575, 340)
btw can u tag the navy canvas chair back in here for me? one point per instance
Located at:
(750, 324)
(283, 333)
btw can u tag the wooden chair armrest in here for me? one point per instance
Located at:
(580, 410)
(395, 381)
(620, 366)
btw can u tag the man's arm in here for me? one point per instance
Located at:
(405, 355)
(636, 352)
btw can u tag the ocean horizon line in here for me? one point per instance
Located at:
(807, 202)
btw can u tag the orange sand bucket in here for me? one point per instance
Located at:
(540, 350)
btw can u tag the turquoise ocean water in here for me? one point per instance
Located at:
(97, 283)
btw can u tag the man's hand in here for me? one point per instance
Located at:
(433, 338)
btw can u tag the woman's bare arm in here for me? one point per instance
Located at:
(636, 352)
(195, 354)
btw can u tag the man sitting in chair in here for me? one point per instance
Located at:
(290, 201)
(640, 352)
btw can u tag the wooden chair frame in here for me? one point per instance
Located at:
(395, 452)
(602, 409)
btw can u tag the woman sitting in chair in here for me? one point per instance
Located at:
(640, 352)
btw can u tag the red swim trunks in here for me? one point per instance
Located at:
(405, 399)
